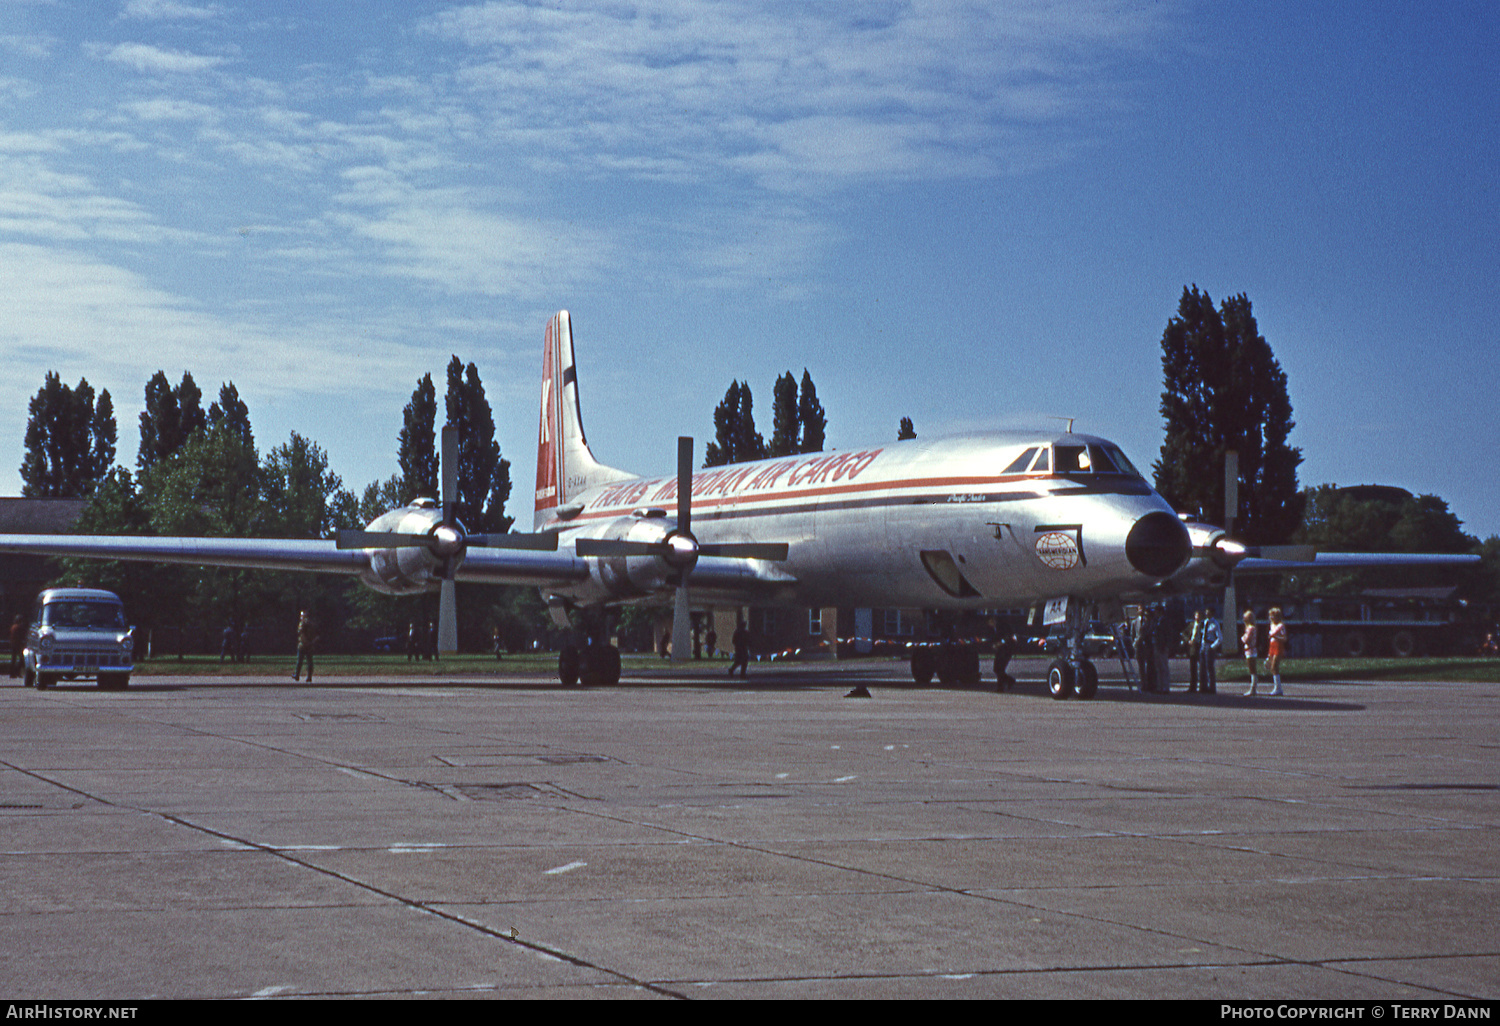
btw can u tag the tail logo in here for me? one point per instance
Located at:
(546, 446)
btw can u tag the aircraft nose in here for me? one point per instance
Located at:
(1158, 545)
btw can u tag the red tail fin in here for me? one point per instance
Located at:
(564, 465)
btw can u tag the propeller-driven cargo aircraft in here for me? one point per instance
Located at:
(952, 525)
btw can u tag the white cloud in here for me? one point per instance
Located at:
(167, 10)
(149, 59)
(797, 95)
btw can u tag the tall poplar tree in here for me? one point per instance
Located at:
(1224, 390)
(735, 437)
(416, 452)
(170, 418)
(70, 440)
(786, 423)
(810, 413)
(483, 476)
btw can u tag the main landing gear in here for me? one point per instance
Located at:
(589, 658)
(952, 661)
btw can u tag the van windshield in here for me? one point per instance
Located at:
(98, 615)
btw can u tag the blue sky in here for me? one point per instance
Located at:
(972, 214)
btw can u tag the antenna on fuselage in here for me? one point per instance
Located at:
(1068, 420)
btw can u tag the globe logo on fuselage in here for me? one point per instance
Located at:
(1057, 550)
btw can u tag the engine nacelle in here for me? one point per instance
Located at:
(1214, 555)
(626, 577)
(409, 570)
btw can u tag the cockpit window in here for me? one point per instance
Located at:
(1126, 467)
(1093, 459)
(1073, 459)
(1021, 462)
(1043, 461)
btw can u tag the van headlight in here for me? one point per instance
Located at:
(44, 639)
(127, 646)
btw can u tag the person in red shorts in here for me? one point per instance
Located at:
(1277, 637)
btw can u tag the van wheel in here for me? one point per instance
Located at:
(114, 681)
(45, 680)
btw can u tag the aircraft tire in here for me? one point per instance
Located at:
(922, 667)
(1060, 680)
(1088, 684)
(970, 674)
(1355, 645)
(567, 666)
(601, 667)
(1403, 644)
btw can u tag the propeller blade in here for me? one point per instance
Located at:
(775, 551)
(381, 540)
(448, 617)
(685, 485)
(619, 547)
(1286, 553)
(545, 541)
(1231, 619)
(450, 471)
(682, 626)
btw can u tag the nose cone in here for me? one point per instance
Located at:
(1158, 545)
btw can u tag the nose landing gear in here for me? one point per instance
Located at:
(1073, 674)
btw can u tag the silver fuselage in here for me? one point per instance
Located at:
(919, 524)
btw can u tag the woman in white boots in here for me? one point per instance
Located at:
(1248, 645)
(1277, 649)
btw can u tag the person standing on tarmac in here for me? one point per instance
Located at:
(1248, 644)
(1213, 637)
(307, 639)
(1277, 640)
(1195, 651)
(741, 641)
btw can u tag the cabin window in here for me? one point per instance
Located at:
(1043, 462)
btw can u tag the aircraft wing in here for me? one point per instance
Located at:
(717, 574)
(1349, 561)
(489, 566)
(255, 553)
(519, 566)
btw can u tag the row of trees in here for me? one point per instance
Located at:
(798, 423)
(1225, 391)
(199, 473)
